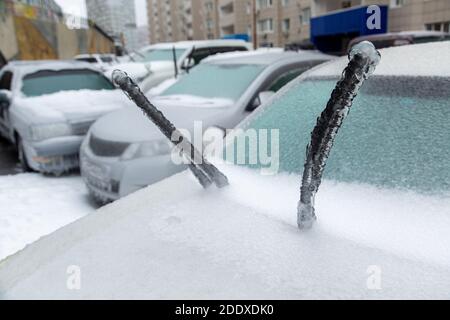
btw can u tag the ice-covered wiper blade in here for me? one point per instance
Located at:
(363, 60)
(205, 172)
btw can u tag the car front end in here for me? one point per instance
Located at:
(114, 169)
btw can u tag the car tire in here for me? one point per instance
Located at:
(22, 156)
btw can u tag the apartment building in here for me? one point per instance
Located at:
(281, 22)
(117, 18)
(172, 20)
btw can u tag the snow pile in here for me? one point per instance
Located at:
(32, 206)
(73, 103)
(174, 240)
(428, 59)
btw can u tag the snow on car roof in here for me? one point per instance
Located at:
(27, 67)
(243, 242)
(197, 44)
(266, 57)
(428, 59)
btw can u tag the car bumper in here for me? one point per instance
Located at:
(54, 156)
(109, 179)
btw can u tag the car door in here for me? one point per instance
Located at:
(6, 77)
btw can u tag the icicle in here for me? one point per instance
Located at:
(363, 60)
(205, 172)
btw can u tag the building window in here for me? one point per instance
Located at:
(284, 3)
(209, 6)
(439, 26)
(397, 3)
(261, 4)
(286, 25)
(265, 26)
(305, 16)
(346, 4)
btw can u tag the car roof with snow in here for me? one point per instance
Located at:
(198, 44)
(27, 67)
(266, 57)
(174, 240)
(428, 59)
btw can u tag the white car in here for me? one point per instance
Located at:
(383, 208)
(47, 107)
(220, 92)
(155, 63)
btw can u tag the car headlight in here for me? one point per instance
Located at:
(147, 149)
(47, 131)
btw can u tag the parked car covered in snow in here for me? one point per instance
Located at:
(155, 63)
(383, 207)
(47, 107)
(220, 92)
(394, 39)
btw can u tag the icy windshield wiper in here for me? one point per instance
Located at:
(363, 60)
(205, 172)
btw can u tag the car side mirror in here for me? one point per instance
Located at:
(262, 98)
(188, 64)
(5, 98)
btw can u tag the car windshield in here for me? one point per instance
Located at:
(48, 82)
(158, 55)
(396, 135)
(228, 81)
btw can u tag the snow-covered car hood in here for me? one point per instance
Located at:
(71, 105)
(139, 70)
(183, 113)
(174, 240)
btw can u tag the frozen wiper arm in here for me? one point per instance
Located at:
(363, 60)
(205, 172)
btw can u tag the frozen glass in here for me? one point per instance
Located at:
(48, 82)
(396, 135)
(216, 81)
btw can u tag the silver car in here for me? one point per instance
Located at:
(124, 151)
(47, 107)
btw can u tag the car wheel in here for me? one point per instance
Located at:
(22, 156)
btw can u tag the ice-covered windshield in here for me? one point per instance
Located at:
(396, 135)
(158, 55)
(228, 81)
(48, 82)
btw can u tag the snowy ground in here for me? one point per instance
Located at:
(32, 205)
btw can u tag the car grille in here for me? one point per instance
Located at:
(81, 128)
(104, 148)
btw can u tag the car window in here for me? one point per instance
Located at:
(211, 80)
(6, 80)
(285, 78)
(88, 60)
(199, 54)
(106, 59)
(48, 82)
(396, 135)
